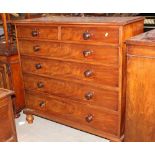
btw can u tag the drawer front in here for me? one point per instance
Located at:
(88, 53)
(37, 32)
(86, 72)
(95, 34)
(84, 93)
(69, 110)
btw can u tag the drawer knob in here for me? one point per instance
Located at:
(89, 95)
(86, 35)
(42, 104)
(87, 53)
(40, 85)
(89, 118)
(88, 73)
(35, 33)
(36, 48)
(38, 66)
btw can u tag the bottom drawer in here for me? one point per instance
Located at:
(73, 111)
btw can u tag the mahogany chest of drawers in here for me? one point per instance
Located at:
(7, 123)
(140, 108)
(73, 70)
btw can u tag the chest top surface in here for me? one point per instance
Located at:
(4, 93)
(80, 20)
(147, 39)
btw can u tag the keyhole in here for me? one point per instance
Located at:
(106, 34)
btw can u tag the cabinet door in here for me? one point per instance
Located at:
(4, 78)
(7, 124)
(140, 105)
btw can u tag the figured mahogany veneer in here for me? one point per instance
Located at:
(105, 55)
(95, 74)
(73, 70)
(38, 32)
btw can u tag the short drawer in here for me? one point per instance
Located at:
(94, 34)
(86, 94)
(95, 74)
(73, 111)
(89, 53)
(37, 32)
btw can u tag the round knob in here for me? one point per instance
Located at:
(38, 66)
(89, 95)
(42, 104)
(87, 53)
(35, 33)
(86, 35)
(40, 85)
(36, 48)
(89, 118)
(88, 73)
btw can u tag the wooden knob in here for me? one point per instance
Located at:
(35, 33)
(42, 104)
(88, 73)
(89, 95)
(86, 35)
(38, 66)
(40, 85)
(36, 48)
(87, 53)
(89, 118)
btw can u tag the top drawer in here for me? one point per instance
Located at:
(94, 34)
(38, 32)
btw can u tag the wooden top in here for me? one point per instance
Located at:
(80, 20)
(147, 38)
(5, 92)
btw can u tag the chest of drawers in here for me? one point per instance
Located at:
(73, 70)
(7, 123)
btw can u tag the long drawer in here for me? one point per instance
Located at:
(93, 34)
(38, 32)
(88, 53)
(69, 110)
(96, 74)
(84, 93)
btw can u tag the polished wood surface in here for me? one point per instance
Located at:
(97, 34)
(76, 91)
(38, 32)
(140, 109)
(110, 21)
(73, 111)
(83, 66)
(7, 123)
(10, 76)
(94, 74)
(72, 52)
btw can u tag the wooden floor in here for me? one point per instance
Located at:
(43, 130)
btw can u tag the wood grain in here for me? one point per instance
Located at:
(43, 32)
(103, 34)
(73, 111)
(75, 91)
(70, 70)
(105, 55)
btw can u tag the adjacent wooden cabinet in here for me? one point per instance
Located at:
(7, 123)
(140, 103)
(10, 77)
(74, 70)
